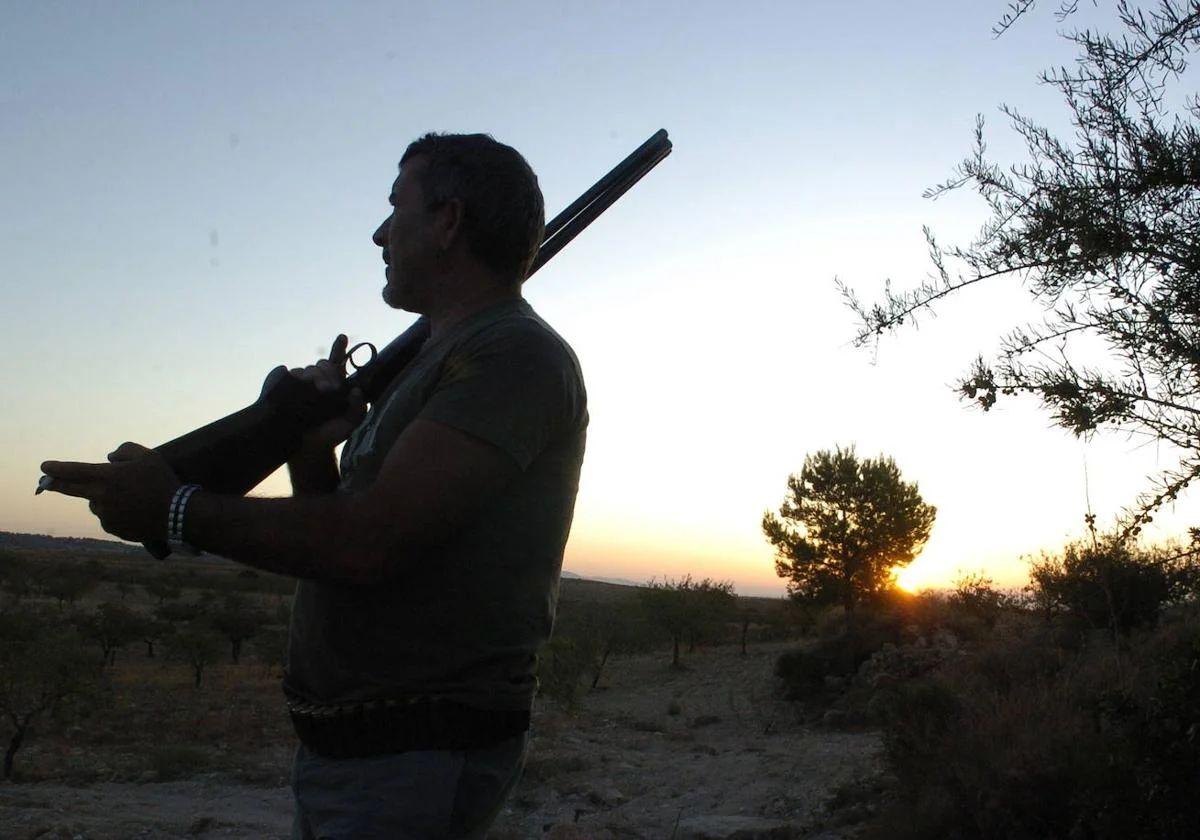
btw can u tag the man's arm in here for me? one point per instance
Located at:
(314, 472)
(432, 481)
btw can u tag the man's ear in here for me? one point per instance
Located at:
(449, 223)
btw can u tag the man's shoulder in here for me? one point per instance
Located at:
(521, 329)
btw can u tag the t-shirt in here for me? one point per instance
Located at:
(464, 621)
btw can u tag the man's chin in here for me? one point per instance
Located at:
(396, 299)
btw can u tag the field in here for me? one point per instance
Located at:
(706, 749)
(710, 748)
(673, 710)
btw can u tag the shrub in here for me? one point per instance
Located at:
(1108, 584)
(1023, 738)
(561, 667)
(838, 654)
(43, 669)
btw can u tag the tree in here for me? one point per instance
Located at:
(68, 582)
(16, 576)
(1101, 230)
(844, 527)
(153, 629)
(1107, 583)
(237, 621)
(43, 665)
(112, 626)
(163, 588)
(684, 608)
(195, 643)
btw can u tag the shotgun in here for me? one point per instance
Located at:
(234, 454)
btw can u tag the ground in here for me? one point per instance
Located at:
(705, 751)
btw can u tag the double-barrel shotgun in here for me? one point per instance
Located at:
(233, 454)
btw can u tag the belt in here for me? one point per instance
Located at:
(381, 727)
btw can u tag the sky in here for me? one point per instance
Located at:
(190, 189)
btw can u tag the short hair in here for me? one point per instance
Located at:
(503, 212)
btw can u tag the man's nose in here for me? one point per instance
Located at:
(379, 237)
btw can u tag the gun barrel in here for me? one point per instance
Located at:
(655, 148)
(567, 231)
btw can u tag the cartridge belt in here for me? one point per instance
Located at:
(381, 727)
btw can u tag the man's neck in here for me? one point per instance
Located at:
(469, 301)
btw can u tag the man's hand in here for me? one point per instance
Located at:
(130, 495)
(329, 375)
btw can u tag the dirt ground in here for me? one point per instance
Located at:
(704, 752)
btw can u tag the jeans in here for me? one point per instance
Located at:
(417, 795)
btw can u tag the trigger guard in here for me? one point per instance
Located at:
(350, 355)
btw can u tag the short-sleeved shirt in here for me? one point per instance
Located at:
(465, 618)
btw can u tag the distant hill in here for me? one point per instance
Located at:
(574, 587)
(45, 542)
(617, 581)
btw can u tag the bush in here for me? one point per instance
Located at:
(1107, 584)
(837, 655)
(562, 665)
(1021, 738)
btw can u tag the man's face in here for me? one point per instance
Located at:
(406, 237)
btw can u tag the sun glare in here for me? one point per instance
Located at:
(908, 579)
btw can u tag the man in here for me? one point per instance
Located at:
(429, 562)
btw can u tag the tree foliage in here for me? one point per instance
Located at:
(237, 620)
(112, 626)
(845, 525)
(195, 643)
(67, 582)
(1108, 583)
(1103, 230)
(43, 665)
(686, 608)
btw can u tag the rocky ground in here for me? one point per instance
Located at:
(709, 751)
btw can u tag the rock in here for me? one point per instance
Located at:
(834, 717)
(736, 828)
(200, 825)
(703, 720)
(605, 793)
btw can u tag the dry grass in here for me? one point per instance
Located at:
(154, 725)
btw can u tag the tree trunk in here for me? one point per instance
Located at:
(199, 669)
(13, 745)
(149, 648)
(237, 650)
(675, 659)
(600, 667)
(745, 630)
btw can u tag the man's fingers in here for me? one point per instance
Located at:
(72, 478)
(74, 471)
(78, 489)
(337, 353)
(127, 451)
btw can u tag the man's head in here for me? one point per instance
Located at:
(459, 200)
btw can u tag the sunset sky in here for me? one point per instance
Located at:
(190, 189)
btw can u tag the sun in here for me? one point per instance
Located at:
(907, 579)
